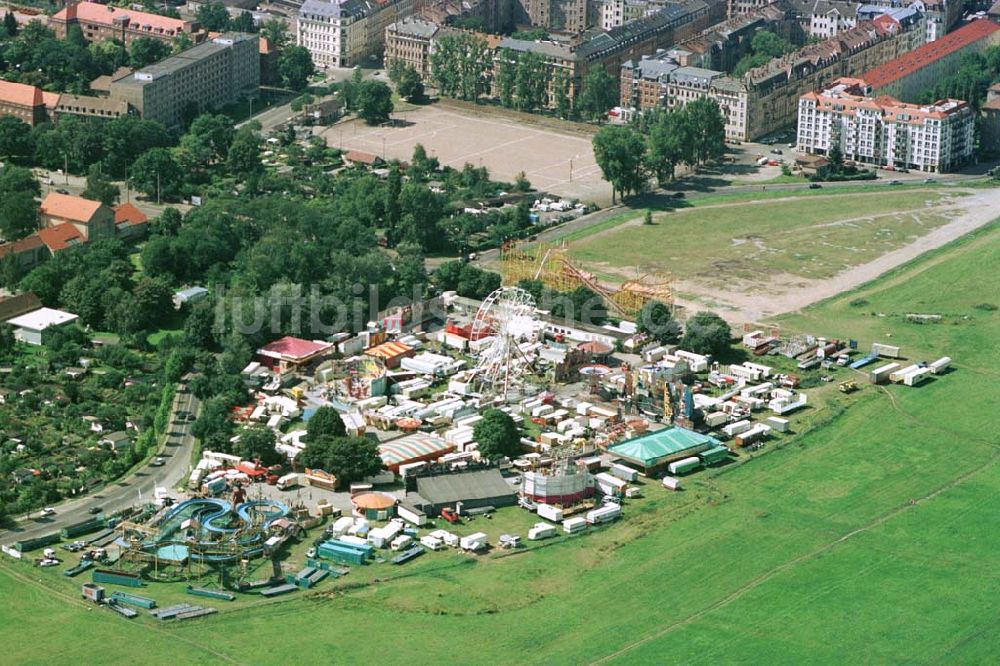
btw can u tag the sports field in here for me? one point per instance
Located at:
(554, 161)
(871, 539)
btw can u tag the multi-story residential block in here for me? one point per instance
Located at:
(344, 33)
(409, 41)
(914, 72)
(822, 19)
(28, 103)
(883, 131)
(207, 76)
(100, 22)
(765, 99)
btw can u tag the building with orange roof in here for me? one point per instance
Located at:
(131, 224)
(102, 22)
(910, 75)
(882, 131)
(61, 237)
(92, 219)
(28, 103)
(390, 353)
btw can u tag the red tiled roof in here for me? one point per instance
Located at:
(106, 14)
(992, 105)
(293, 348)
(127, 212)
(265, 46)
(20, 94)
(69, 207)
(26, 244)
(919, 58)
(61, 237)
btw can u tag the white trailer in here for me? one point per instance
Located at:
(940, 365)
(431, 542)
(885, 350)
(541, 531)
(606, 514)
(684, 465)
(549, 512)
(340, 526)
(411, 514)
(899, 375)
(400, 542)
(610, 485)
(473, 542)
(734, 429)
(411, 468)
(880, 374)
(574, 525)
(671, 483)
(716, 419)
(917, 376)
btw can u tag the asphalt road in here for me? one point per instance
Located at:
(139, 486)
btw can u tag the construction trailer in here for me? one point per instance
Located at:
(889, 351)
(574, 525)
(605, 514)
(880, 375)
(917, 376)
(684, 466)
(897, 376)
(92, 592)
(940, 365)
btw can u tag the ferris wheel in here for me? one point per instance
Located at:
(507, 316)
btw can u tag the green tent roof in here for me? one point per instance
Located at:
(652, 447)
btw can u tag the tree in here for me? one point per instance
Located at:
(18, 216)
(505, 76)
(619, 152)
(275, 31)
(16, 141)
(530, 82)
(706, 333)
(560, 93)
(181, 42)
(153, 298)
(145, 51)
(14, 180)
(458, 65)
(244, 153)
(648, 218)
(157, 174)
(497, 435)
(100, 188)
(213, 16)
(599, 94)
(10, 24)
(349, 459)
(295, 66)
(668, 141)
(656, 321)
(708, 129)
(325, 422)
(374, 102)
(108, 55)
(409, 84)
(243, 23)
(393, 188)
(257, 443)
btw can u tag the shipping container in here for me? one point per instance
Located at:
(609, 485)
(716, 419)
(778, 423)
(880, 375)
(684, 465)
(714, 455)
(624, 472)
(885, 350)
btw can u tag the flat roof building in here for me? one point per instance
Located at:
(30, 328)
(655, 450)
(204, 77)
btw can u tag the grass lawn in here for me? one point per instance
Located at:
(794, 236)
(869, 537)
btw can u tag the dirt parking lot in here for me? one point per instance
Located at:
(553, 161)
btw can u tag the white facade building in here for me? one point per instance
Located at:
(342, 33)
(884, 131)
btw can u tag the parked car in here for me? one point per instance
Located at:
(814, 186)
(62, 191)
(930, 180)
(776, 151)
(894, 182)
(158, 462)
(94, 510)
(48, 511)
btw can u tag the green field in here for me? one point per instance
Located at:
(871, 538)
(815, 236)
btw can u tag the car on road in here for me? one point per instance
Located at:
(62, 191)
(930, 180)
(94, 510)
(158, 462)
(678, 195)
(48, 511)
(776, 151)
(894, 182)
(190, 417)
(814, 186)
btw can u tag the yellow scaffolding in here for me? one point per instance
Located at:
(551, 265)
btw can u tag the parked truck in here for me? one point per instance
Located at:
(289, 481)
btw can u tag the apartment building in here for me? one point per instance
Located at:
(409, 41)
(883, 131)
(207, 76)
(908, 76)
(765, 99)
(102, 22)
(822, 19)
(344, 33)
